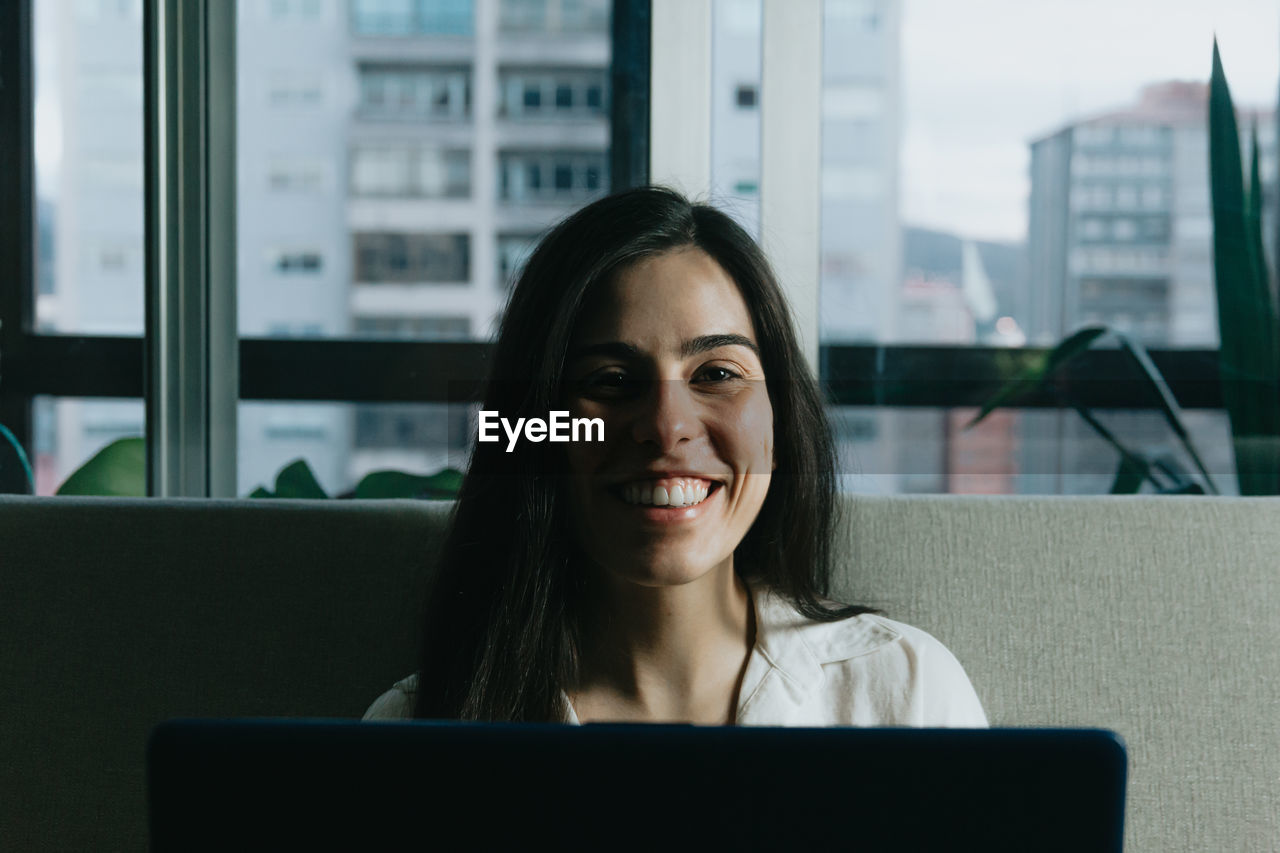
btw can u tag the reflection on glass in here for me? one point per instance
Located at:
(1013, 451)
(343, 442)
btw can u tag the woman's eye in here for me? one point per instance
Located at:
(611, 382)
(716, 374)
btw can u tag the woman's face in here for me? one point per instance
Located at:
(666, 355)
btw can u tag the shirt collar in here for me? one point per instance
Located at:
(783, 670)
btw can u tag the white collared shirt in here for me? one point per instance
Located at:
(863, 671)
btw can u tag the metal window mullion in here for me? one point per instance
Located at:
(191, 348)
(791, 157)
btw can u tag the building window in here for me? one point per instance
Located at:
(295, 10)
(544, 93)
(414, 328)
(1124, 229)
(418, 171)
(412, 17)
(293, 261)
(557, 176)
(296, 175)
(414, 92)
(294, 89)
(391, 426)
(746, 97)
(554, 16)
(396, 258)
(513, 251)
(1093, 229)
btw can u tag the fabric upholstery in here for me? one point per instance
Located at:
(1154, 616)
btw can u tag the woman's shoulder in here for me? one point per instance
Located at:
(396, 703)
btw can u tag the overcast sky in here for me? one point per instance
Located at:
(981, 78)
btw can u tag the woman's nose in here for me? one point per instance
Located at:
(666, 415)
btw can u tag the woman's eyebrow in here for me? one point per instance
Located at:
(688, 349)
(614, 349)
(704, 343)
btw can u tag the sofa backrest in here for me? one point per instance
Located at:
(1154, 616)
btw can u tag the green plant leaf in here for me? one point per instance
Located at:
(1168, 403)
(117, 470)
(297, 480)
(260, 492)
(1249, 352)
(442, 485)
(1035, 375)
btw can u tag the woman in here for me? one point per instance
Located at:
(676, 571)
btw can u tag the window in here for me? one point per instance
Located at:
(409, 92)
(745, 96)
(551, 176)
(543, 93)
(297, 175)
(553, 17)
(412, 17)
(391, 426)
(287, 89)
(513, 251)
(414, 328)
(410, 170)
(399, 258)
(296, 261)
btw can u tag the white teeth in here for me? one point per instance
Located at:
(683, 494)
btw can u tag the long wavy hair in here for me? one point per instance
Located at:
(501, 623)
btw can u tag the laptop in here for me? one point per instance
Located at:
(306, 784)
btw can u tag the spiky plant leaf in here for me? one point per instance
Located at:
(1249, 355)
(1168, 403)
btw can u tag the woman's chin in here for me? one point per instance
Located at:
(661, 573)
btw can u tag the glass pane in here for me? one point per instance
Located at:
(342, 442)
(1015, 451)
(69, 431)
(88, 153)
(396, 156)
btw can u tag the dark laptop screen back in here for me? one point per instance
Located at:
(293, 784)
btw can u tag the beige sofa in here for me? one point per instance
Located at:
(1158, 617)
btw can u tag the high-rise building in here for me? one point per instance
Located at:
(1121, 229)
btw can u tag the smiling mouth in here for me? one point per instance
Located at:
(670, 493)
